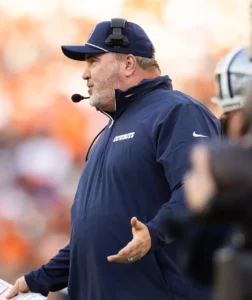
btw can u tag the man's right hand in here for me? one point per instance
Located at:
(20, 286)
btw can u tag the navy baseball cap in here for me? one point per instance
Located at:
(116, 35)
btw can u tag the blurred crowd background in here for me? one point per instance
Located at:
(44, 136)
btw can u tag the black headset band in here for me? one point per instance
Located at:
(117, 39)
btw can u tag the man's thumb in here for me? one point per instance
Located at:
(137, 225)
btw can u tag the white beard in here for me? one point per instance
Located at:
(94, 100)
(101, 100)
(103, 94)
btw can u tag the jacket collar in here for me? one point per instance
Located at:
(124, 98)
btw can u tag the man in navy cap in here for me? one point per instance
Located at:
(132, 180)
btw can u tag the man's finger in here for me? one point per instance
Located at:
(137, 225)
(129, 248)
(13, 292)
(133, 221)
(134, 258)
(122, 259)
(130, 253)
(117, 258)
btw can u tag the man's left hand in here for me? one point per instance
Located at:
(137, 248)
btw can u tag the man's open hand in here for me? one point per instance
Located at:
(137, 248)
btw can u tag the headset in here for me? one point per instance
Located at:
(117, 39)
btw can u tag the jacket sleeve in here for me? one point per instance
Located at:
(185, 126)
(52, 276)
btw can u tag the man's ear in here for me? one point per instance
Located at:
(130, 65)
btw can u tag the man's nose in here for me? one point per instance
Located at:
(86, 74)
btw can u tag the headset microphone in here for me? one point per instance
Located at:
(77, 98)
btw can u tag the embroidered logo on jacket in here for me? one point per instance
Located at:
(124, 137)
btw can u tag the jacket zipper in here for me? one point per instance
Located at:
(112, 120)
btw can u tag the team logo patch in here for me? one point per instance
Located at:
(123, 137)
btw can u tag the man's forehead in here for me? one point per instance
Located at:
(91, 55)
(107, 57)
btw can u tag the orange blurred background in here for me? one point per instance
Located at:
(44, 136)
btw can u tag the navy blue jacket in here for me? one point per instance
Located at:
(134, 169)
